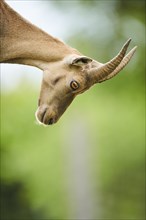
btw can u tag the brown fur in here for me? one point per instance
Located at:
(63, 66)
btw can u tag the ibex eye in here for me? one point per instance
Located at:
(74, 85)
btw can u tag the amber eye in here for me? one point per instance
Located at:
(74, 85)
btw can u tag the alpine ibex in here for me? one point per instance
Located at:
(66, 72)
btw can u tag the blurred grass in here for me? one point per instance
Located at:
(33, 154)
(28, 149)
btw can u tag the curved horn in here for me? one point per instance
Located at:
(123, 63)
(104, 70)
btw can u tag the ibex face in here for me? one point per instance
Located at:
(63, 80)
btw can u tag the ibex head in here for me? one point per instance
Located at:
(67, 72)
(63, 80)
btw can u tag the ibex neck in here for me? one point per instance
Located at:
(22, 42)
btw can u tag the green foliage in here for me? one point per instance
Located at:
(32, 154)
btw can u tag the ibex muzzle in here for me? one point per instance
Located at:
(65, 79)
(66, 72)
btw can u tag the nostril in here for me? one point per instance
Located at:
(51, 121)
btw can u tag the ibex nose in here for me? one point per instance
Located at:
(44, 115)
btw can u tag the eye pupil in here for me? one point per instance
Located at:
(74, 85)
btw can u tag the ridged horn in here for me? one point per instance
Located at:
(104, 70)
(123, 63)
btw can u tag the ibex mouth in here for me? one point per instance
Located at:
(51, 121)
(44, 116)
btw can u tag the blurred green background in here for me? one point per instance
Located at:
(91, 164)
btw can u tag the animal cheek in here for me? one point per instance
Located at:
(65, 103)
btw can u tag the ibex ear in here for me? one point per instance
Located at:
(78, 60)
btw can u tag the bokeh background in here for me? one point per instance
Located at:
(90, 165)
